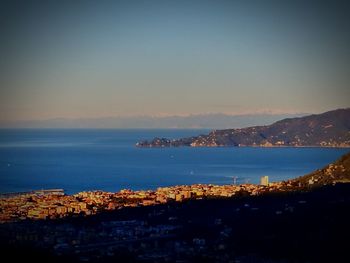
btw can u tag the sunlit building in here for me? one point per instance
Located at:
(264, 180)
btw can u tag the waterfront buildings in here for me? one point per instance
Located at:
(55, 204)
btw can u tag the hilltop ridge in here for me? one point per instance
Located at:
(329, 129)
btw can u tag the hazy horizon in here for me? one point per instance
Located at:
(192, 121)
(98, 59)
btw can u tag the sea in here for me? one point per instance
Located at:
(106, 159)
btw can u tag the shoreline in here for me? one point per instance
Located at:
(244, 146)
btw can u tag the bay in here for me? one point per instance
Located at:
(96, 159)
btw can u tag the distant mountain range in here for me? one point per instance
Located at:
(195, 121)
(329, 129)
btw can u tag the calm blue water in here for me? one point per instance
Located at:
(78, 160)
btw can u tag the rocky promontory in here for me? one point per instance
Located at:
(329, 129)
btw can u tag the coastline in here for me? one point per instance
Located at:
(247, 146)
(53, 203)
(187, 222)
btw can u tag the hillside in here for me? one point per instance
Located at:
(337, 172)
(329, 129)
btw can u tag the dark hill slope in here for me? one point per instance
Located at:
(337, 172)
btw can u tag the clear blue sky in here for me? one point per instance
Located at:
(77, 59)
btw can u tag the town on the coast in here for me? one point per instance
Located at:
(188, 223)
(52, 204)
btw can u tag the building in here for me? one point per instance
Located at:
(264, 180)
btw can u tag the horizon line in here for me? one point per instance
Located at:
(167, 115)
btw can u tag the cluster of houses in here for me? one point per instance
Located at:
(53, 204)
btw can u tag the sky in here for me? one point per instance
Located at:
(92, 59)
